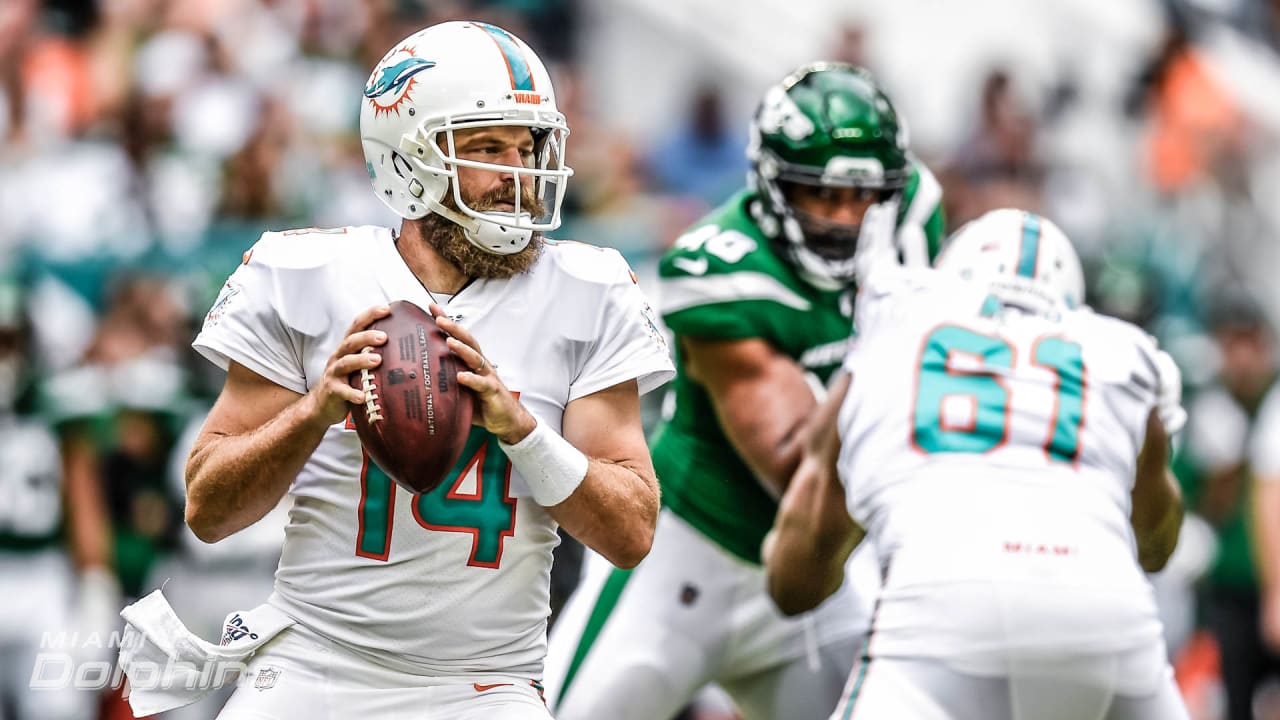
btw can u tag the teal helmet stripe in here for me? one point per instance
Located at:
(517, 66)
(1030, 250)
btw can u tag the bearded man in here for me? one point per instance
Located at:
(388, 603)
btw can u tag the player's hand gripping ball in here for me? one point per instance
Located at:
(416, 417)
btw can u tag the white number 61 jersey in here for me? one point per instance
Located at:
(983, 445)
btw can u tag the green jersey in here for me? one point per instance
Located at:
(723, 280)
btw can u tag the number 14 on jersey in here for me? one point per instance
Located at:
(474, 499)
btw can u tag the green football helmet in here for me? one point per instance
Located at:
(828, 125)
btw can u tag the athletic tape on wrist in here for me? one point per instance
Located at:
(551, 466)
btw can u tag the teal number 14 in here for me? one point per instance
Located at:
(988, 423)
(488, 515)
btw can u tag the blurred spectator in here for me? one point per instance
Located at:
(1126, 289)
(116, 410)
(60, 99)
(17, 20)
(248, 189)
(608, 201)
(704, 158)
(1195, 126)
(1216, 470)
(1264, 456)
(55, 556)
(851, 47)
(996, 165)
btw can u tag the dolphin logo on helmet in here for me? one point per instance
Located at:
(395, 77)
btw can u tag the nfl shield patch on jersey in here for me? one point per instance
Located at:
(267, 678)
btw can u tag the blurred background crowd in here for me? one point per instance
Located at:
(145, 144)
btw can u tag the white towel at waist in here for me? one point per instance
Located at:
(169, 667)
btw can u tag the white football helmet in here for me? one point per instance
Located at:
(453, 76)
(1020, 253)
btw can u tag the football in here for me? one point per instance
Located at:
(416, 417)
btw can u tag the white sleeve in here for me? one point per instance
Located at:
(1264, 442)
(886, 296)
(245, 325)
(629, 344)
(1217, 432)
(875, 298)
(877, 250)
(864, 320)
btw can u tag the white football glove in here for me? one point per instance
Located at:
(97, 612)
(877, 240)
(1169, 393)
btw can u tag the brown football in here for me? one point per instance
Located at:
(416, 417)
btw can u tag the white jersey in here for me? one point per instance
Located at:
(990, 455)
(457, 580)
(31, 511)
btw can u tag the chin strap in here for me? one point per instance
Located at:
(487, 235)
(499, 238)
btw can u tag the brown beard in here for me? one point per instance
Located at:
(449, 239)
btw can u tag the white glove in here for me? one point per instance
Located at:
(1169, 393)
(97, 607)
(877, 240)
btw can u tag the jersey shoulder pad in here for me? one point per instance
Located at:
(1113, 329)
(726, 241)
(723, 260)
(891, 278)
(1123, 349)
(588, 263)
(941, 291)
(899, 293)
(308, 248)
(713, 250)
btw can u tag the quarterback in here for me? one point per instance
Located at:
(391, 604)
(759, 296)
(1013, 503)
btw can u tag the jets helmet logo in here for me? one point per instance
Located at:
(779, 113)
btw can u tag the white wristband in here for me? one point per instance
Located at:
(551, 466)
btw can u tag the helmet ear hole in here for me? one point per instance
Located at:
(401, 166)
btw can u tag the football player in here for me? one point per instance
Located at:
(387, 603)
(759, 295)
(1014, 505)
(61, 593)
